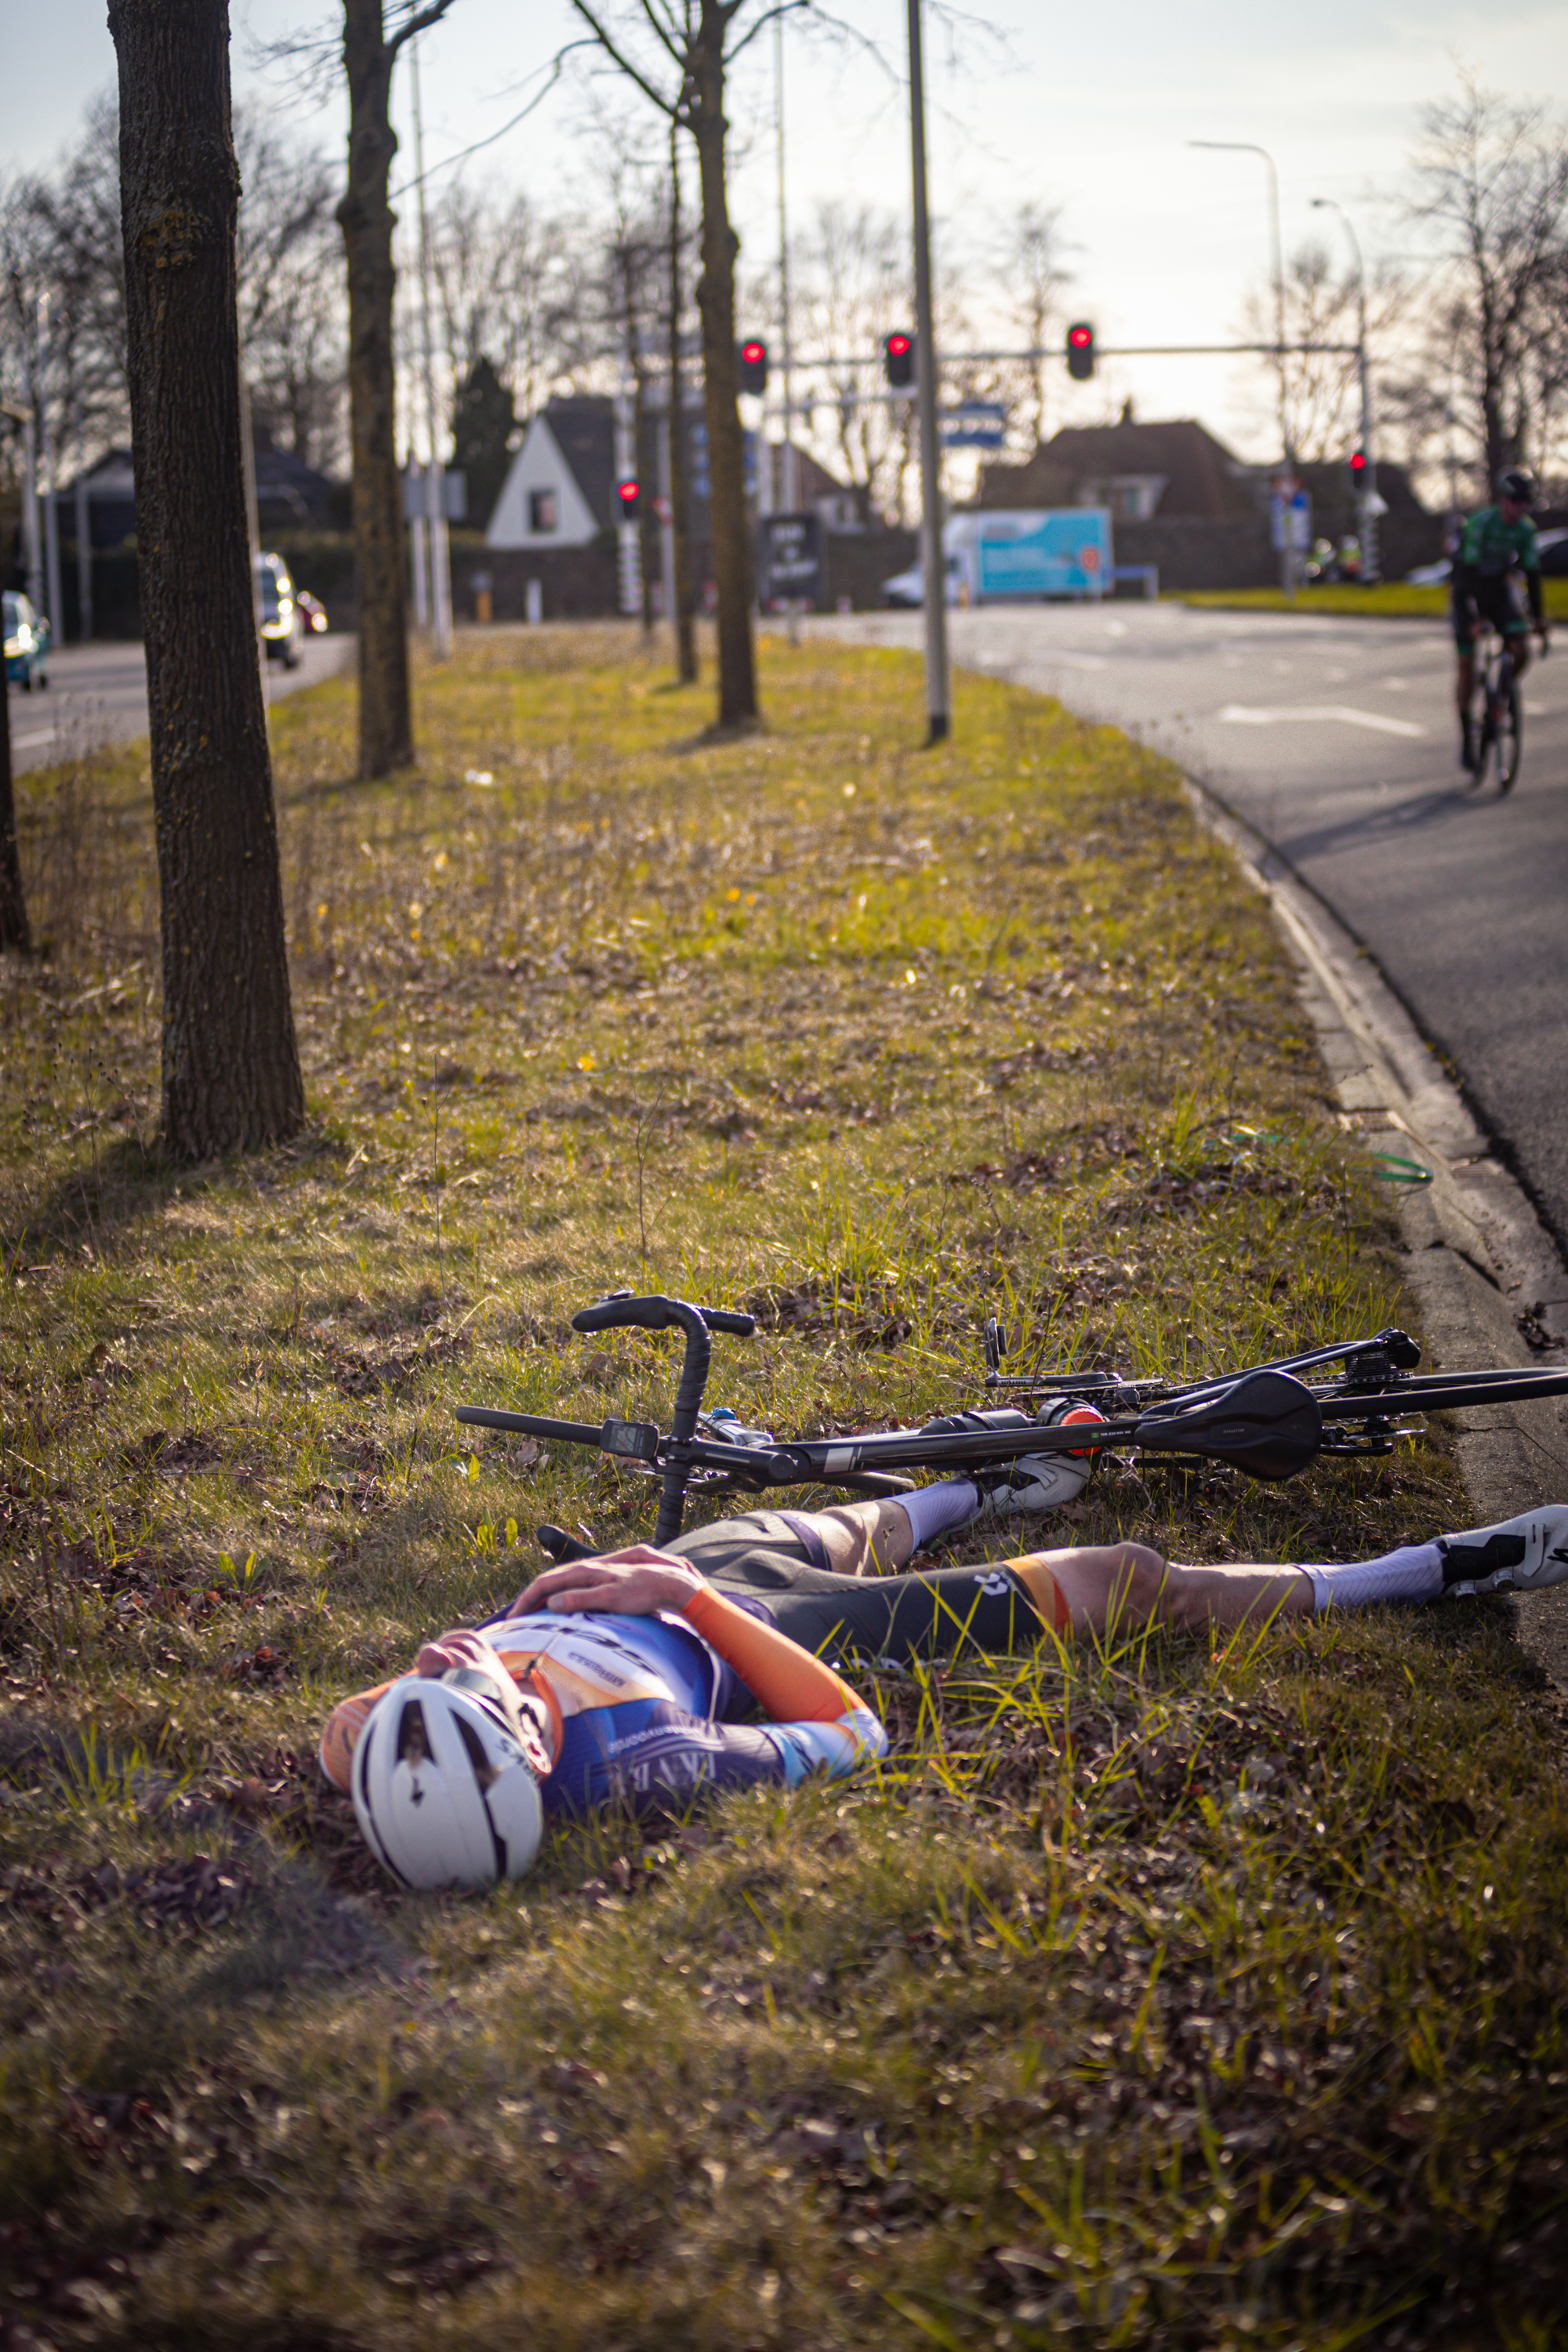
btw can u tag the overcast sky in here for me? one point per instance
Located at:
(1089, 108)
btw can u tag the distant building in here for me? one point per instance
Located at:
(1184, 503)
(1138, 471)
(289, 495)
(560, 489)
(111, 502)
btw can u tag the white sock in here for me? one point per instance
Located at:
(1415, 1572)
(931, 1510)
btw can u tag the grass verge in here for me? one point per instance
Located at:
(1391, 600)
(1178, 1993)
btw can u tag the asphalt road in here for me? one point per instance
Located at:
(1337, 740)
(97, 693)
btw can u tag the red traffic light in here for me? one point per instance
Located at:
(1358, 465)
(1080, 351)
(899, 360)
(628, 498)
(752, 356)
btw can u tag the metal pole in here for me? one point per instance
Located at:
(628, 535)
(435, 473)
(253, 534)
(31, 538)
(83, 536)
(1249, 147)
(935, 571)
(790, 499)
(789, 483)
(47, 473)
(418, 552)
(1366, 520)
(667, 527)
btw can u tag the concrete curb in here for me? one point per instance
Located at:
(1480, 1265)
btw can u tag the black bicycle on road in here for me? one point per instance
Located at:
(1499, 736)
(1270, 1421)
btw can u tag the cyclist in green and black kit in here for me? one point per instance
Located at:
(1496, 548)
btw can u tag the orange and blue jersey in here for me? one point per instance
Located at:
(648, 1711)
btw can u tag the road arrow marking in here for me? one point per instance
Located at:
(1240, 715)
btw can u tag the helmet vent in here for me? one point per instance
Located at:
(485, 1773)
(413, 1740)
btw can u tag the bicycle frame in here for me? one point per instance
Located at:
(1264, 1420)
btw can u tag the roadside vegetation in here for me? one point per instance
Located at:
(1188, 1994)
(1391, 600)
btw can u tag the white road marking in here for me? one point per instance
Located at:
(1240, 715)
(44, 735)
(1074, 661)
(1538, 711)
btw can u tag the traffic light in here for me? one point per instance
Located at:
(1359, 470)
(628, 498)
(899, 360)
(1080, 351)
(753, 366)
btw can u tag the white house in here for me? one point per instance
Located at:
(560, 490)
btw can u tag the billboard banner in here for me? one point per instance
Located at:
(1062, 554)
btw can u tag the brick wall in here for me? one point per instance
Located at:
(578, 582)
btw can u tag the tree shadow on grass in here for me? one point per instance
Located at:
(96, 1208)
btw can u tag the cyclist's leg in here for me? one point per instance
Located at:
(866, 1539)
(1518, 655)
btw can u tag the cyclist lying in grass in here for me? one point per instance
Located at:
(641, 1676)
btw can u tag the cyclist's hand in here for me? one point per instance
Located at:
(636, 1583)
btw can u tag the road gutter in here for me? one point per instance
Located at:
(1479, 1262)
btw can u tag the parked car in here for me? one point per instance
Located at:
(908, 587)
(282, 622)
(27, 643)
(315, 615)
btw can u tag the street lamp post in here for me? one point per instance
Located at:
(1369, 503)
(1248, 147)
(935, 571)
(435, 472)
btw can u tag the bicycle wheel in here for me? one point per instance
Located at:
(1507, 731)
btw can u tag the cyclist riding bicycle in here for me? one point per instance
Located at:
(1496, 549)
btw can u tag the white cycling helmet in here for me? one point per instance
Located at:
(446, 1793)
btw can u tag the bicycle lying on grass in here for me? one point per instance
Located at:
(1266, 1420)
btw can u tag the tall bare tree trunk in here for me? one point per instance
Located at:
(720, 379)
(231, 1069)
(367, 221)
(679, 507)
(14, 931)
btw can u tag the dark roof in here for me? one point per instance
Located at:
(584, 432)
(813, 480)
(1201, 474)
(287, 490)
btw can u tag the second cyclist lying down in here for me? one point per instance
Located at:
(643, 1676)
